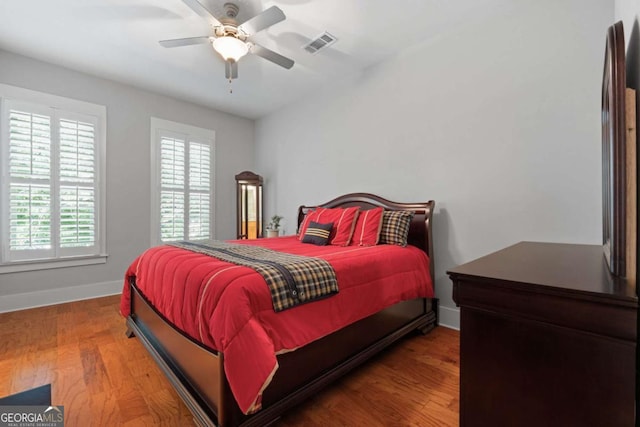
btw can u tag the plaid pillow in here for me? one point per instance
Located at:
(317, 233)
(395, 227)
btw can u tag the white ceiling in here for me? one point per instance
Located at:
(118, 40)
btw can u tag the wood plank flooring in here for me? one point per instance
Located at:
(104, 379)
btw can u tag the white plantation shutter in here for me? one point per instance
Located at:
(172, 197)
(30, 181)
(199, 191)
(30, 217)
(182, 177)
(50, 182)
(77, 217)
(77, 183)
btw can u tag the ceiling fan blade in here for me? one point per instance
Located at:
(231, 69)
(272, 56)
(198, 8)
(267, 18)
(184, 42)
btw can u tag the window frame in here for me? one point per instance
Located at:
(64, 108)
(158, 129)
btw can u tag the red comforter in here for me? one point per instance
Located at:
(228, 307)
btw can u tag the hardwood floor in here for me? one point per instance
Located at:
(104, 379)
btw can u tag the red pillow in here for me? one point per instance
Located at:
(343, 219)
(310, 216)
(344, 222)
(368, 226)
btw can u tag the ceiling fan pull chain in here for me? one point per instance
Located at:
(230, 87)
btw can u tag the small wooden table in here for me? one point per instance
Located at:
(548, 338)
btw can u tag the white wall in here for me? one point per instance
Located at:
(128, 174)
(627, 11)
(498, 121)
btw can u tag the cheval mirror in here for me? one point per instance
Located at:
(249, 203)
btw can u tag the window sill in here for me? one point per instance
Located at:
(20, 266)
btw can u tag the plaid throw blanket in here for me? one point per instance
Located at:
(292, 279)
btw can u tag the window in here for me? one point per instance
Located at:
(182, 159)
(52, 179)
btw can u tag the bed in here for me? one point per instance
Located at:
(197, 370)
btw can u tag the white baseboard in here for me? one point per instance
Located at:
(449, 317)
(27, 300)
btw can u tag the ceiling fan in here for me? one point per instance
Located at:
(232, 40)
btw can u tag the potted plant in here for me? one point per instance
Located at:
(273, 229)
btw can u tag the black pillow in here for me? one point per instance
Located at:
(317, 233)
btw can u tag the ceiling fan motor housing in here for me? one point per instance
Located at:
(229, 26)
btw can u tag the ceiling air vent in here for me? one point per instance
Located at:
(322, 41)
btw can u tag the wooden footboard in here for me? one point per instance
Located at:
(197, 373)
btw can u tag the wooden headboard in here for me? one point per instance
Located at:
(420, 234)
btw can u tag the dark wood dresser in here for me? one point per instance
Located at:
(548, 338)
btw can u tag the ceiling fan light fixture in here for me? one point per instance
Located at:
(230, 47)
